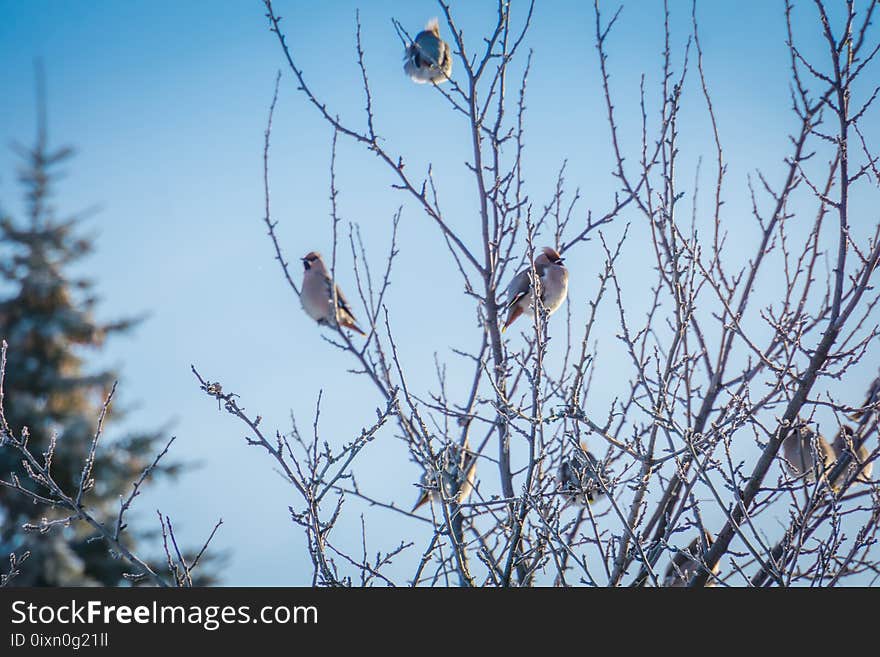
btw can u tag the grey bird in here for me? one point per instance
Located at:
(800, 448)
(457, 476)
(317, 295)
(843, 443)
(428, 58)
(579, 476)
(553, 278)
(686, 564)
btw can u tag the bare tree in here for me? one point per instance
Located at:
(717, 383)
(65, 507)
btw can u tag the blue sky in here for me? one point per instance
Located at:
(166, 103)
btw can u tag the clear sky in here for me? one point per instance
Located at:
(166, 102)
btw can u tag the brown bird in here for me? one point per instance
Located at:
(686, 564)
(317, 295)
(843, 443)
(579, 476)
(457, 476)
(800, 448)
(554, 287)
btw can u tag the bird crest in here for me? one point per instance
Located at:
(552, 254)
(433, 26)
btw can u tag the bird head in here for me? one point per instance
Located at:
(311, 259)
(549, 256)
(806, 436)
(844, 438)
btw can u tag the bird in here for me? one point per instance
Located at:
(317, 295)
(843, 443)
(428, 58)
(800, 454)
(554, 287)
(686, 564)
(579, 477)
(457, 473)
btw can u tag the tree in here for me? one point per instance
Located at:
(59, 403)
(717, 382)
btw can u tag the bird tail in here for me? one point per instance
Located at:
(350, 324)
(515, 312)
(423, 499)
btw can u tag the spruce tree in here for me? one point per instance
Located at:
(47, 318)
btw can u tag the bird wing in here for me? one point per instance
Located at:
(430, 49)
(518, 288)
(341, 301)
(412, 55)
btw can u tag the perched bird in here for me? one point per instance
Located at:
(317, 295)
(428, 58)
(800, 448)
(578, 478)
(457, 476)
(843, 443)
(686, 564)
(554, 287)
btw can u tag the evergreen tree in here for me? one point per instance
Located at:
(47, 318)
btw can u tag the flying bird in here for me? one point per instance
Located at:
(428, 58)
(317, 295)
(843, 443)
(553, 282)
(457, 476)
(800, 448)
(686, 564)
(579, 476)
